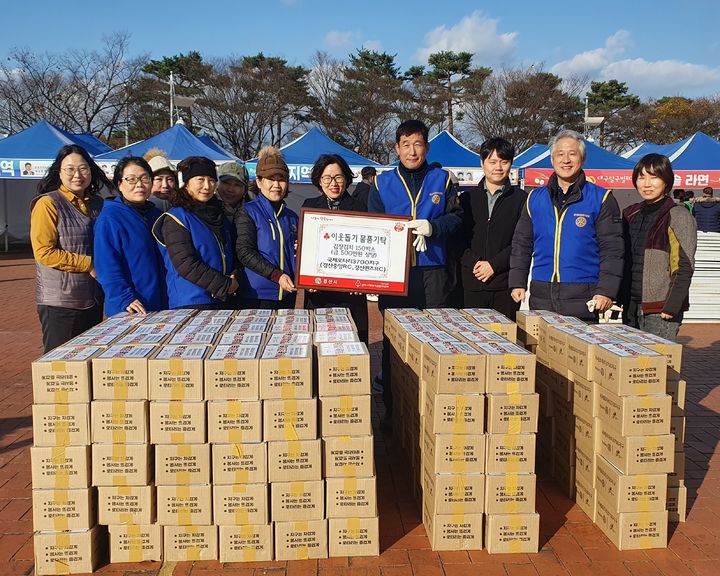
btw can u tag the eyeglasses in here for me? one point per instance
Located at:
(71, 170)
(338, 179)
(132, 180)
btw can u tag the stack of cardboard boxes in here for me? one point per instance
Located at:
(456, 376)
(205, 431)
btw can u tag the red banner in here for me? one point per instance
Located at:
(622, 179)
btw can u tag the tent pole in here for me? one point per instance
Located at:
(5, 208)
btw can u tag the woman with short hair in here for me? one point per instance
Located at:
(69, 298)
(195, 240)
(660, 242)
(266, 236)
(127, 259)
(332, 176)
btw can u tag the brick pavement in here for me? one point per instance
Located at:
(570, 543)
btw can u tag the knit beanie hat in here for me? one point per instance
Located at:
(197, 166)
(271, 164)
(158, 161)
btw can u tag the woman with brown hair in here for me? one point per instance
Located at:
(196, 241)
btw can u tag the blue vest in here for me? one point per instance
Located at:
(182, 292)
(565, 244)
(276, 236)
(428, 204)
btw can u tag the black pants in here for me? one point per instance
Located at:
(499, 300)
(427, 288)
(357, 304)
(62, 324)
(284, 304)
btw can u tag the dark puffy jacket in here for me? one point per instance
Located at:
(707, 215)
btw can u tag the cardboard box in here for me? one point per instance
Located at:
(677, 476)
(585, 464)
(120, 421)
(239, 463)
(62, 376)
(121, 373)
(289, 339)
(454, 531)
(188, 543)
(348, 457)
(584, 395)
(331, 336)
(512, 413)
(290, 419)
(677, 503)
(455, 413)
(456, 453)
(563, 444)
(634, 415)
(585, 496)
(248, 543)
(671, 350)
(512, 533)
(637, 493)
(630, 369)
(234, 421)
(580, 347)
(238, 504)
(564, 475)
(677, 429)
(345, 416)
(60, 510)
(585, 430)
(60, 467)
(197, 335)
(301, 540)
(177, 422)
(510, 369)
(298, 501)
(636, 454)
(510, 493)
(677, 388)
(121, 464)
(632, 530)
(418, 341)
(453, 493)
(136, 543)
(529, 322)
(184, 506)
(351, 497)
(61, 424)
(68, 552)
(231, 372)
(126, 505)
(354, 537)
(286, 372)
(244, 333)
(182, 464)
(510, 454)
(343, 369)
(493, 321)
(300, 460)
(453, 368)
(176, 373)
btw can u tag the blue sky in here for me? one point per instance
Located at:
(658, 47)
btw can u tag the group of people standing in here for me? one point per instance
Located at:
(212, 246)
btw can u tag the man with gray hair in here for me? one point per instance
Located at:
(571, 231)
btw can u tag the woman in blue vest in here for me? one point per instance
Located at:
(69, 299)
(266, 237)
(196, 241)
(127, 260)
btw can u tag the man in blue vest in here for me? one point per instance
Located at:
(423, 192)
(571, 230)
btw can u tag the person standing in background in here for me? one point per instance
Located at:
(707, 212)
(362, 189)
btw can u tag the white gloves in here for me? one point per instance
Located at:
(421, 229)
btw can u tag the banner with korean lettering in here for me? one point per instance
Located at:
(622, 179)
(353, 252)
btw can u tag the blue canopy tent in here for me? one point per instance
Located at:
(24, 158)
(529, 155)
(177, 143)
(210, 143)
(302, 153)
(698, 152)
(597, 159)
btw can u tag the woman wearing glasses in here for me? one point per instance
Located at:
(332, 176)
(127, 260)
(195, 240)
(69, 299)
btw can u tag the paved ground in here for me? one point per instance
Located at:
(570, 543)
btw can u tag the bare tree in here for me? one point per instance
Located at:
(79, 90)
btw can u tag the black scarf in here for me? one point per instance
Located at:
(334, 204)
(211, 213)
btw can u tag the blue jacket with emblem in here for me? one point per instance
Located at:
(575, 242)
(269, 250)
(423, 194)
(210, 251)
(127, 260)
